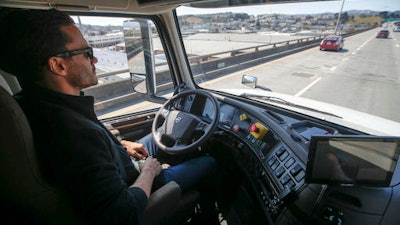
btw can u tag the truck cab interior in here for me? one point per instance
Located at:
(279, 162)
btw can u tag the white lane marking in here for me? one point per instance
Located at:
(362, 45)
(308, 87)
(333, 68)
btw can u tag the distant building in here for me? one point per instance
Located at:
(100, 41)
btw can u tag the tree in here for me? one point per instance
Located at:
(344, 17)
(384, 14)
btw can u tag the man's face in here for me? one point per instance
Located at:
(81, 69)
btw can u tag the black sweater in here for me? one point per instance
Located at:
(77, 153)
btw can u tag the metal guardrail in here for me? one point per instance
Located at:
(102, 75)
(259, 47)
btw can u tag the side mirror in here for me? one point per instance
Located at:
(139, 49)
(139, 34)
(138, 82)
(249, 81)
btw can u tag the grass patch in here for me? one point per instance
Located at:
(371, 20)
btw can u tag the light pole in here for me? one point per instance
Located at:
(338, 20)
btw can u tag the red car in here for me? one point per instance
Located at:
(332, 42)
(382, 34)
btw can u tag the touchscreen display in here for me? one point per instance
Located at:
(352, 160)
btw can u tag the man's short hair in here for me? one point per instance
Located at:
(28, 38)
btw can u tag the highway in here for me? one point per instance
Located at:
(328, 76)
(333, 76)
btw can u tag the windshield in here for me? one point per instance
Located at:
(280, 46)
(331, 38)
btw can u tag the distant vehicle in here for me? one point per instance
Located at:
(396, 29)
(382, 34)
(332, 42)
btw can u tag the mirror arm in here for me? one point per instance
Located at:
(154, 98)
(179, 88)
(263, 88)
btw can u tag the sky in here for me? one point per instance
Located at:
(311, 7)
(289, 8)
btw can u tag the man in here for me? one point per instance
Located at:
(76, 152)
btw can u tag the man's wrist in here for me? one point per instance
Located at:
(121, 138)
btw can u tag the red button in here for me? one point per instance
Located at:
(253, 128)
(236, 128)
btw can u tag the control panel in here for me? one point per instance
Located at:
(286, 169)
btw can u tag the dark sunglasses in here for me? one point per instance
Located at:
(88, 51)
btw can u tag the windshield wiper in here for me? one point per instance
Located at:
(284, 102)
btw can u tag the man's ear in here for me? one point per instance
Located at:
(57, 65)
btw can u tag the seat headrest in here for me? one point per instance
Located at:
(4, 84)
(9, 82)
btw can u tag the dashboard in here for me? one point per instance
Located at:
(286, 169)
(264, 151)
(275, 147)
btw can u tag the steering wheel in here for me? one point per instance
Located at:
(176, 129)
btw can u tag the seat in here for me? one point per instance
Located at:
(24, 195)
(26, 198)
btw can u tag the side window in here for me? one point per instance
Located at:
(129, 53)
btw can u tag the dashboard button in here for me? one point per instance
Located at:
(275, 165)
(271, 160)
(291, 184)
(279, 172)
(285, 179)
(280, 151)
(289, 163)
(295, 170)
(284, 155)
(253, 128)
(300, 176)
(236, 128)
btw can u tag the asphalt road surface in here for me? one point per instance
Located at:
(364, 76)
